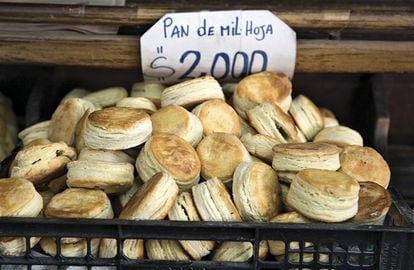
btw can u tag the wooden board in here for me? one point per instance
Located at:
(123, 52)
(309, 15)
(69, 2)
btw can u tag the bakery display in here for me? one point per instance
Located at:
(184, 153)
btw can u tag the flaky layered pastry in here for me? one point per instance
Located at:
(165, 152)
(324, 195)
(265, 87)
(256, 191)
(192, 92)
(117, 128)
(298, 156)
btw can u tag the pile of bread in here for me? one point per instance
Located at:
(185, 153)
(8, 127)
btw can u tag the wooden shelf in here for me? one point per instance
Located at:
(297, 14)
(114, 51)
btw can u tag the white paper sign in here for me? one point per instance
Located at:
(225, 44)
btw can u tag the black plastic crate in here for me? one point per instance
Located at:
(345, 246)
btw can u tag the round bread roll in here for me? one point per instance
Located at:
(213, 201)
(192, 92)
(232, 251)
(260, 145)
(65, 118)
(117, 128)
(19, 198)
(76, 249)
(307, 116)
(220, 154)
(165, 250)
(278, 248)
(40, 163)
(138, 103)
(185, 210)
(329, 118)
(271, 87)
(272, 121)
(153, 200)
(111, 177)
(365, 165)
(132, 248)
(178, 121)
(298, 156)
(340, 136)
(16, 246)
(256, 191)
(149, 90)
(106, 97)
(373, 204)
(324, 195)
(80, 203)
(217, 116)
(76, 203)
(169, 153)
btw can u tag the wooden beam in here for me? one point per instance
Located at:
(123, 52)
(304, 16)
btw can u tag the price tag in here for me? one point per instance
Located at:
(225, 44)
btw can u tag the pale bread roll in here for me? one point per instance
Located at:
(192, 92)
(270, 87)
